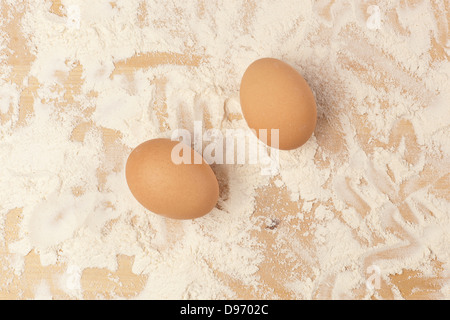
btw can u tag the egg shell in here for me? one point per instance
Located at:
(275, 96)
(177, 191)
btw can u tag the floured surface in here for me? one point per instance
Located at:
(365, 201)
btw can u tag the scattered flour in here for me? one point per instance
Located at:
(362, 193)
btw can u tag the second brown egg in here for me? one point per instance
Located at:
(274, 96)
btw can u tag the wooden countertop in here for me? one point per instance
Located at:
(101, 283)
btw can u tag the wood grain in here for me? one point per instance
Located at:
(106, 284)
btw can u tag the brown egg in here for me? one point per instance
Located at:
(178, 191)
(275, 96)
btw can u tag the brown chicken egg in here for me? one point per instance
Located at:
(178, 191)
(275, 96)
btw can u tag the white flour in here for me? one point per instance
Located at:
(355, 192)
